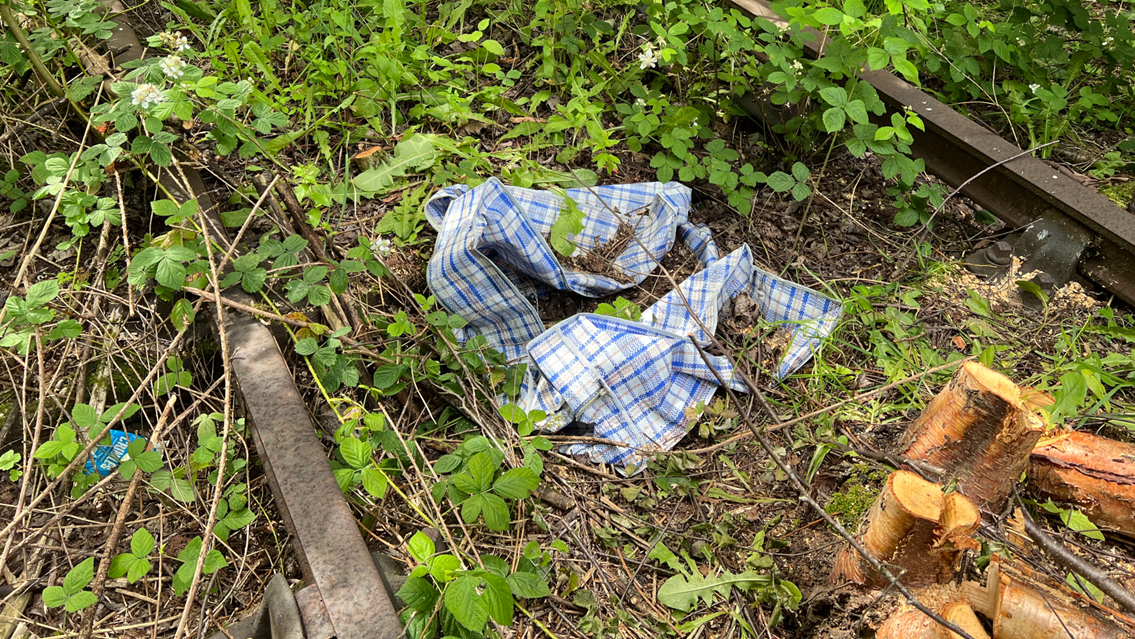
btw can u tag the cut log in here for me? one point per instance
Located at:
(980, 431)
(1023, 605)
(912, 624)
(1095, 474)
(914, 527)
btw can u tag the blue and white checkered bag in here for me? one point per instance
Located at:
(631, 380)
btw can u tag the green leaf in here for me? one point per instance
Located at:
(79, 576)
(214, 561)
(906, 217)
(388, 375)
(526, 585)
(493, 47)
(463, 602)
(54, 597)
(482, 469)
(119, 566)
(835, 96)
(182, 315)
(569, 222)
(681, 592)
(142, 543)
(170, 274)
(442, 565)
(137, 569)
(834, 119)
(495, 511)
(84, 416)
(375, 482)
(829, 16)
(412, 154)
(420, 547)
(355, 452)
(781, 182)
(418, 594)
(80, 600)
(498, 598)
(516, 483)
(41, 293)
(471, 508)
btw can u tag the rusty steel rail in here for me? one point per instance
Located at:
(1020, 192)
(345, 588)
(333, 555)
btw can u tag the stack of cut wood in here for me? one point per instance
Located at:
(980, 435)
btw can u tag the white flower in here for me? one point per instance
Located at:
(1033, 88)
(796, 66)
(647, 59)
(383, 247)
(640, 103)
(173, 66)
(1020, 42)
(1108, 41)
(147, 95)
(175, 41)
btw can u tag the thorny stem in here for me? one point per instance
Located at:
(37, 63)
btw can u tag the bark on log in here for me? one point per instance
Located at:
(980, 431)
(912, 624)
(1095, 474)
(914, 526)
(1023, 605)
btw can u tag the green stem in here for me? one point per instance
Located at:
(37, 63)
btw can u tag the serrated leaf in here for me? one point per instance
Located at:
(497, 597)
(780, 182)
(79, 576)
(420, 547)
(141, 543)
(41, 293)
(829, 16)
(418, 594)
(482, 469)
(318, 295)
(375, 482)
(119, 566)
(137, 569)
(681, 592)
(569, 222)
(466, 606)
(412, 154)
(54, 597)
(516, 483)
(84, 416)
(526, 585)
(834, 119)
(170, 274)
(80, 600)
(355, 452)
(495, 511)
(442, 565)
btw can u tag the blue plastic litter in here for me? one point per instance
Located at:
(631, 381)
(105, 458)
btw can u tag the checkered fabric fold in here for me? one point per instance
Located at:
(631, 380)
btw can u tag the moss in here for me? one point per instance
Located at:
(857, 495)
(1120, 192)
